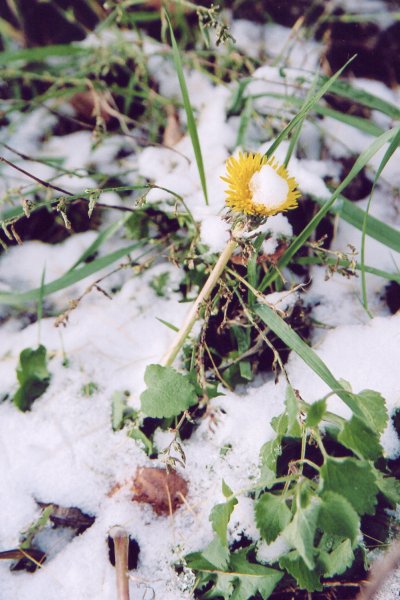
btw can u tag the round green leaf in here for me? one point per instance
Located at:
(168, 392)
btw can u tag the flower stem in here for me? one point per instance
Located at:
(208, 287)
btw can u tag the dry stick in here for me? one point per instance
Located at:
(121, 546)
(208, 287)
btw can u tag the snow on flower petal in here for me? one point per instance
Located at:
(259, 186)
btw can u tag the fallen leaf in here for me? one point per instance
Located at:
(273, 259)
(164, 490)
(87, 105)
(71, 516)
(28, 559)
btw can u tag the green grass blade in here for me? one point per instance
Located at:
(295, 137)
(41, 296)
(100, 239)
(306, 109)
(346, 90)
(244, 122)
(167, 324)
(17, 212)
(38, 54)
(314, 260)
(194, 136)
(361, 161)
(40, 303)
(375, 228)
(388, 154)
(295, 343)
(69, 278)
(357, 122)
(238, 97)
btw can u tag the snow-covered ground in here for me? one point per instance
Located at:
(64, 450)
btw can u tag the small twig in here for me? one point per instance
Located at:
(121, 548)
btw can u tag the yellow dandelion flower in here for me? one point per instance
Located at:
(259, 186)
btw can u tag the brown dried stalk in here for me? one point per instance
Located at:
(121, 548)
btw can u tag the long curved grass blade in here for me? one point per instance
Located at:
(100, 239)
(361, 161)
(16, 211)
(375, 228)
(244, 122)
(346, 90)
(69, 278)
(295, 343)
(314, 260)
(306, 109)
(37, 54)
(194, 136)
(296, 134)
(364, 125)
(386, 157)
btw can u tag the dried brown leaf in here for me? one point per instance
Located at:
(163, 490)
(71, 516)
(86, 106)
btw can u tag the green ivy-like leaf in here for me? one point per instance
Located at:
(338, 517)
(306, 578)
(337, 561)
(217, 553)
(33, 377)
(241, 580)
(371, 408)
(389, 487)
(272, 516)
(223, 587)
(268, 455)
(137, 434)
(226, 490)
(168, 392)
(316, 413)
(360, 438)
(221, 513)
(251, 578)
(352, 478)
(345, 384)
(206, 573)
(300, 532)
(293, 409)
(280, 424)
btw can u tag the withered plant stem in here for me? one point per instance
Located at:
(193, 314)
(121, 548)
